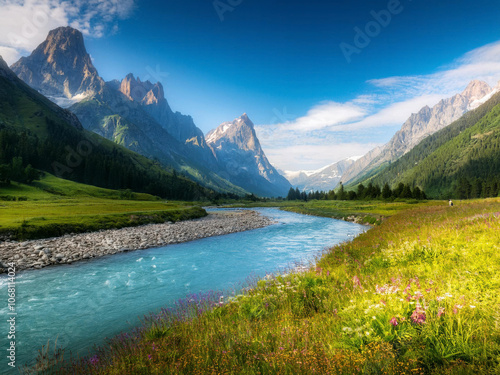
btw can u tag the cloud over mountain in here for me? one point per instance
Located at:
(25, 23)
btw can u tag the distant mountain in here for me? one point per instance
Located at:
(52, 139)
(462, 160)
(324, 179)
(242, 159)
(130, 112)
(419, 126)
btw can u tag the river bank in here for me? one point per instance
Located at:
(71, 248)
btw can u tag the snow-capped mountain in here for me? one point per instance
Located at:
(242, 160)
(419, 126)
(323, 179)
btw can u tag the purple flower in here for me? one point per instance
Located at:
(94, 360)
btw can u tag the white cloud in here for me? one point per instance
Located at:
(9, 54)
(311, 157)
(26, 23)
(325, 134)
(327, 114)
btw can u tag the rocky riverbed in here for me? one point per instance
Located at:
(76, 247)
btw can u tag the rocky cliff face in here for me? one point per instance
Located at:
(151, 97)
(419, 126)
(60, 68)
(242, 159)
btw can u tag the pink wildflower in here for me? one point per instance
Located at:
(440, 312)
(394, 321)
(418, 315)
(417, 295)
(356, 282)
(455, 309)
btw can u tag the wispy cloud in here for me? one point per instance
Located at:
(26, 23)
(328, 128)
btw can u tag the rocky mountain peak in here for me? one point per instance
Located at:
(242, 159)
(476, 90)
(142, 92)
(60, 67)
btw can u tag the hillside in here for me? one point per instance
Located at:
(419, 125)
(465, 153)
(53, 206)
(52, 139)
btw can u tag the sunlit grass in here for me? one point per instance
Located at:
(418, 294)
(54, 206)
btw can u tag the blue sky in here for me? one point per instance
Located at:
(281, 61)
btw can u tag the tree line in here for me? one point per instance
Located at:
(107, 166)
(371, 191)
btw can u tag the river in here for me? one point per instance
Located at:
(82, 303)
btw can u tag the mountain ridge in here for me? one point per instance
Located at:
(417, 127)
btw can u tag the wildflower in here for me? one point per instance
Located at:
(347, 329)
(440, 312)
(94, 360)
(472, 306)
(418, 315)
(356, 282)
(150, 357)
(439, 298)
(394, 321)
(417, 295)
(456, 308)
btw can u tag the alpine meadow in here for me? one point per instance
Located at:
(265, 187)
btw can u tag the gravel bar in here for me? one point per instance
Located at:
(72, 248)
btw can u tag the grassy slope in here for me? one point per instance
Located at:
(54, 206)
(417, 294)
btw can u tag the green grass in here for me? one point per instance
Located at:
(368, 212)
(417, 294)
(53, 207)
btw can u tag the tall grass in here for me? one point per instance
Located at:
(418, 294)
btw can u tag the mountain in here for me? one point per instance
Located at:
(462, 160)
(60, 68)
(242, 159)
(419, 126)
(129, 112)
(34, 130)
(324, 179)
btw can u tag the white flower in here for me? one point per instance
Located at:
(472, 306)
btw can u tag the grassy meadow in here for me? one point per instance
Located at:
(417, 294)
(53, 206)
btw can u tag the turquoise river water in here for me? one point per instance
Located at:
(82, 303)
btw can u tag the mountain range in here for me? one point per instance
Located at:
(461, 160)
(136, 115)
(418, 127)
(323, 179)
(35, 131)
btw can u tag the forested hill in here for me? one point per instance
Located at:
(460, 161)
(35, 131)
